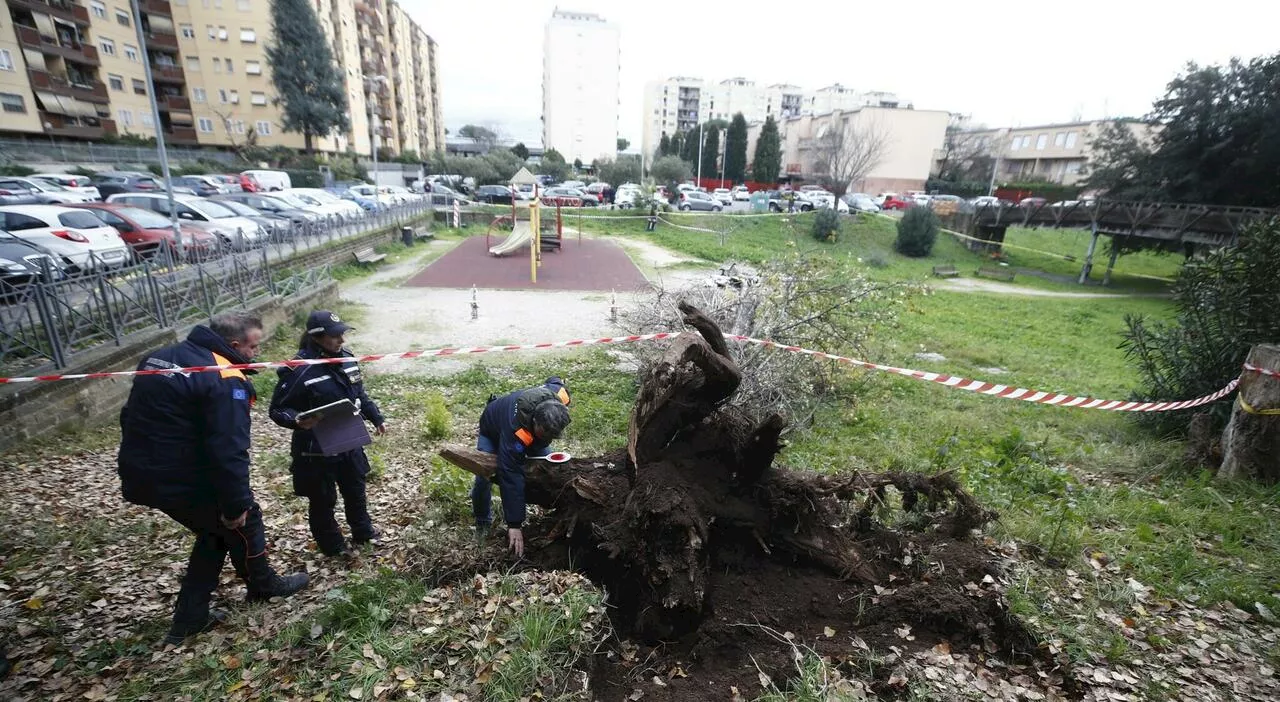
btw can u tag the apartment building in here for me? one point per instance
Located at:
(680, 103)
(1057, 153)
(580, 63)
(910, 139)
(72, 69)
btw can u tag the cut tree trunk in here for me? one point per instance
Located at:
(1251, 441)
(696, 482)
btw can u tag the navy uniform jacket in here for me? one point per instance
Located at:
(185, 436)
(307, 387)
(507, 422)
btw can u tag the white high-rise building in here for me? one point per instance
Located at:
(580, 86)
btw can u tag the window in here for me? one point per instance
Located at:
(243, 5)
(122, 18)
(139, 87)
(188, 32)
(253, 68)
(198, 95)
(99, 10)
(1059, 139)
(1017, 144)
(262, 127)
(116, 82)
(193, 63)
(213, 31)
(145, 118)
(126, 117)
(247, 35)
(217, 65)
(222, 32)
(235, 97)
(238, 126)
(1071, 140)
(108, 47)
(230, 67)
(131, 53)
(1026, 142)
(1041, 141)
(206, 125)
(259, 98)
(1073, 167)
(6, 60)
(13, 103)
(222, 96)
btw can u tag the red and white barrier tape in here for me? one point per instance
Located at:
(1262, 371)
(978, 386)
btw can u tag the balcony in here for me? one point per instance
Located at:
(166, 73)
(162, 40)
(155, 7)
(31, 38)
(173, 103)
(89, 91)
(181, 135)
(59, 125)
(61, 9)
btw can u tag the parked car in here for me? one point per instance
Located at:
(146, 231)
(80, 239)
(780, 201)
(686, 187)
(985, 201)
(884, 196)
(724, 195)
(111, 183)
(941, 199)
(893, 202)
(249, 184)
(740, 192)
(275, 204)
(46, 192)
(230, 183)
(694, 200)
(16, 193)
(232, 229)
(567, 197)
(1032, 202)
(628, 196)
(861, 202)
(274, 225)
(370, 192)
(22, 262)
(270, 180)
(812, 188)
(204, 186)
(328, 203)
(74, 183)
(573, 184)
(494, 194)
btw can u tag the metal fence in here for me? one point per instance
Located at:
(50, 320)
(38, 151)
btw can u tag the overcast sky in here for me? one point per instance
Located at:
(1004, 63)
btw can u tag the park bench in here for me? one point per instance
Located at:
(996, 274)
(423, 235)
(367, 256)
(947, 271)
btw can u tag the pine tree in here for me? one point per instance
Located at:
(689, 150)
(306, 77)
(677, 145)
(664, 147)
(767, 165)
(711, 153)
(521, 150)
(735, 154)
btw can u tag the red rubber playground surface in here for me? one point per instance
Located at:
(590, 264)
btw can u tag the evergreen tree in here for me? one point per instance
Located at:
(307, 79)
(664, 147)
(735, 155)
(521, 150)
(711, 153)
(767, 164)
(689, 150)
(677, 145)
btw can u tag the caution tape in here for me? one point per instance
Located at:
(951, 381)
(1261, 371)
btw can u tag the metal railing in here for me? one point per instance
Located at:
(53, 318)
(48, 151)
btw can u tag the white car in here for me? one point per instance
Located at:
(741, 193)
(78, 237)
(627, 196)
(687, 187)
(880, 199)
(328, 203)
(271, 180)
(74, 183)
(724, 195)
(52, 193)
(985, 201)
(921, 199)
(861, 202)
(231, 228)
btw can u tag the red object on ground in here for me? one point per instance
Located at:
(895, 203)
(589, 264)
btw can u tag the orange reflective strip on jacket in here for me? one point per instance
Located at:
(524, 436)
(227, 372)
(563, 395)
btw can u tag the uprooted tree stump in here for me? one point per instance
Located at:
(697, 480)
(1251, 441)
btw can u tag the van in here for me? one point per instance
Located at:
(270, 180)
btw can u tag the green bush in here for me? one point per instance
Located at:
(826, 225)
(436, 419)
(156, 169)
(306, 179)
(917, 230)
(16, 170)
(82, 171)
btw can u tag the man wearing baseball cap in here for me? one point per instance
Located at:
(316, 476)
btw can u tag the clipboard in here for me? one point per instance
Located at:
(331, 409)
(341, 428)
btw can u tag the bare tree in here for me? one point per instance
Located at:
(845, 153)
(965, 153)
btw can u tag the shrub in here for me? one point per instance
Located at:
(917, 230)
(16, 170)
(826, 225)
(82, 171)
(436, 418)
(1226, 303)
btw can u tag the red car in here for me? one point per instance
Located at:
(146, 231)
(248, 183)
(894, 202)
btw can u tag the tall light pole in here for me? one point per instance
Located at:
(701, 143)
(155, 120)
(375, 126)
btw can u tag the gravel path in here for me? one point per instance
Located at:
(971, 285)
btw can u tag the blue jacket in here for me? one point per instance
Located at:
(185, 436)
(508, 425)
(307, 387)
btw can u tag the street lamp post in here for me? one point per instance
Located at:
(702, 142)
(155, 120)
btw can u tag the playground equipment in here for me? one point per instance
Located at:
(533, 231)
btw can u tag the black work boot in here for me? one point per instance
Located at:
(191, 615)
(372, 538)
(264, 583)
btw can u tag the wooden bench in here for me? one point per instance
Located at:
(367, 256)
(423, 235)
(947, 271)
(996, 274)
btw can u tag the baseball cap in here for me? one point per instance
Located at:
(325, 322)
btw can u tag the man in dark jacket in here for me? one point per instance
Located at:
(184, 450)
(316, 476)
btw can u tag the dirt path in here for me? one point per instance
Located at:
(971, 285)
(399, 318)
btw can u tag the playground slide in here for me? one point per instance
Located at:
(520, 237)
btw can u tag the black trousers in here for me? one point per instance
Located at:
(247, 546)
(321, 479)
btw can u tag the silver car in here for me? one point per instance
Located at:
(698, 200)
